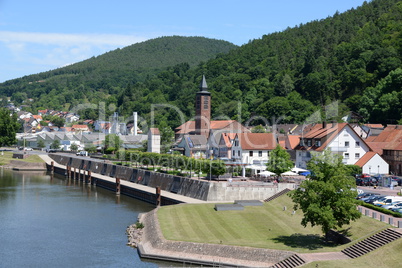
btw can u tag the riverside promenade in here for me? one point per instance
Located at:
(143, 188)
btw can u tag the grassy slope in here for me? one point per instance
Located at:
(8, 156)
(266, 227)
(387, 256)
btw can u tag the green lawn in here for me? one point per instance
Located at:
(8, 156)
(268, 226)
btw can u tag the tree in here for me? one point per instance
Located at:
(74, 147)
(258, 129)
(8, 127)
(58, 121)
(327, 198)
(55, 145)
(41, 144)
(279, 161)
(112, 143)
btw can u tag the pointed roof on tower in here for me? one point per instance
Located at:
(203, 85)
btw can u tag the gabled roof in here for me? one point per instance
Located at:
(257, 141)
(292, 141)
(365, 158)
(389, 139)
(227, 138)
(326, 133)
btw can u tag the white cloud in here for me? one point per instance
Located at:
(26, 52)
(60, 39)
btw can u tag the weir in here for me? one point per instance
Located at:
(142, 184)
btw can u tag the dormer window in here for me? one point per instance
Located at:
(318, 143)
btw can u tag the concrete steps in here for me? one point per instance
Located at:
(284, 191)
(291, 262)
(372, 243)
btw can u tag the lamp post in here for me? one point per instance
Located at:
(370, 170)
(211, 152)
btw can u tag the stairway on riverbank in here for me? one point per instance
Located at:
(373, 242)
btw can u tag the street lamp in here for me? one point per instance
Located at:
(211, 152)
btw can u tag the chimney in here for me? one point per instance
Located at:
(135, 123)
(324, 124)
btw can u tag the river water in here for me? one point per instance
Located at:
(55, 222)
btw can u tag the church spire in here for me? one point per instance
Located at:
(203, 84)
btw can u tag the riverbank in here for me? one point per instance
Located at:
(154, 246)
(29, 162)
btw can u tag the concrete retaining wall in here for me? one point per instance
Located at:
(198, 189)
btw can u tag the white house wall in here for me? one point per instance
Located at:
(376, 165)
(351, 153)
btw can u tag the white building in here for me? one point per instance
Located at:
(253, 148)
(338, 138)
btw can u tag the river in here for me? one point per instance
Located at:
(55, 222)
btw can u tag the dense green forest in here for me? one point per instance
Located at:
(354, 57)
(103, 78)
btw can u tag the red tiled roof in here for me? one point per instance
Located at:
(80, 127)
(154, 131)
(365, 158)
(292, 141)
(227, 137)
(189, 126)
(255, 141)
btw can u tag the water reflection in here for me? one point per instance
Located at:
(54, 221)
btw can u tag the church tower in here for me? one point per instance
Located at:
(202, 109)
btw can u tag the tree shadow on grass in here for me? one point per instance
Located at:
(307, 241)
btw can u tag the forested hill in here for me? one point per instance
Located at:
(354, 57)
(102, 77)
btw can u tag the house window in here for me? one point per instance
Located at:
(250, 153)
(308, 142)
(357, 144)
(357, 155)
(260, 153)
(346, 144)
(346, 155)
(318, 143)
(238, 153)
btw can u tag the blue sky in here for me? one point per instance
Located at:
(42, 35)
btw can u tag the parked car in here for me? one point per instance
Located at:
(397, 207)
(392, 205)
(396, 180)
(366, 181)
(28, 149)
(372, 199)
(82, 153)
(387, 200)
(365, 195)
(399, 210)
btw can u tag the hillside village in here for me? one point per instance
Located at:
(373, 147)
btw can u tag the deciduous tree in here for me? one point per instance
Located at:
(327, 199)
(8, 128)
